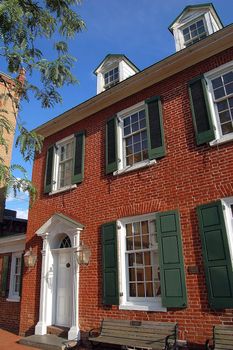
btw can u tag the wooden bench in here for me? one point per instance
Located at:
(222, 338)
(136, 334)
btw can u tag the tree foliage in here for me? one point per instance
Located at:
(24, 26)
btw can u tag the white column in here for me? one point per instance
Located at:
(74, 331)
(41, 327)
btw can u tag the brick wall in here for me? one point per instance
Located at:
(186, 177)
(10, 311)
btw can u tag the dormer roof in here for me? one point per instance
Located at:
(117, 57)
(190, 8)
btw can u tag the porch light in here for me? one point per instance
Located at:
(83, 254)
(29, 258)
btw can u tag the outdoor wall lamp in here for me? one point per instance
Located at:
(83, 254)
(29, 258)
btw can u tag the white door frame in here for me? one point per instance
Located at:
(51, 233)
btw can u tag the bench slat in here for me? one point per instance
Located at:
(135, 336)
(136, 330)
(223, 337)
(128, 342)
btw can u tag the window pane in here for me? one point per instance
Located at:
(149, 290)
(134, 118)
(147, 258)
(217, 82)
(141, 290)
(218, 93)
(224, 117)
(131, 259)
(135, 127)
(200, 23)
(132, 274)
(127, 130)
(132, 289)
(137, 242)
(228, 78)
(140, 274)
(129, 243)
(129, 150)
(229, 88)
(136, 228)
(129, 229)
(148, 273)
(139, 259)
(145, 241)
(126, 121)
(227, 128)
(144, 225)
(222, 105)
(137, 157)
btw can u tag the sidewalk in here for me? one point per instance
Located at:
(8, 341)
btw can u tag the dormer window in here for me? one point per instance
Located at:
(112, 70)
(193, 24)
(194, 32)
(111, 78)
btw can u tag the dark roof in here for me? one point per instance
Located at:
(189, 7)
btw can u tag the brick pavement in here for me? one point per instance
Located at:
(8, 341)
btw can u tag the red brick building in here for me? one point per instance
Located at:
(12, 229)
(142, 175)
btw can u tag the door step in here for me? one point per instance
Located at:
(58, 330)
(46, 342)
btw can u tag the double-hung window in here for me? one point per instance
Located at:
(211, 97)
(194, 32)
(143, 262)
(15, 277)
(222, 96)
(65, 160)
(65, 163)
(135, 137)
(140, 262)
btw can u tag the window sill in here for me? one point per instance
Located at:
(223, 139)
(147, 307)
(63, 189)
(13, 299)
(143, 164)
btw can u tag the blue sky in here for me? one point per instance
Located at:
(136, 28)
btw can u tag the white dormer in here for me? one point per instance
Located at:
(112, 70)
(194, 24)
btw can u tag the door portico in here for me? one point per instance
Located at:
(59, 275)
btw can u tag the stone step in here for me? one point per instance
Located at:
(58, 330)
(46, 342)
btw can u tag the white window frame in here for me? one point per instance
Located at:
(188, 24)
(114, 82)
(227, 214)
(122, 167)
(55, 173)
(219, 138)
(14, 296)
(151, 304)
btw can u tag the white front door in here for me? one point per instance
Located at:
(64, 289)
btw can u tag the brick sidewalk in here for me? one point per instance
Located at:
(8, 341)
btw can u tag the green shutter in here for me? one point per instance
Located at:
(5, 266)
(216, 255)
(173, 287)
(79, 152)
(154, 117)
(110, 268)
(49, 170)
(202, 121)
(21, 276)
(111, 145)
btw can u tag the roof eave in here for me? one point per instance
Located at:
(211, 45)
